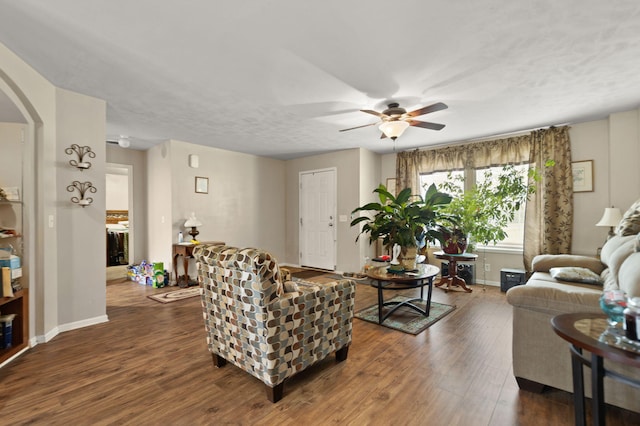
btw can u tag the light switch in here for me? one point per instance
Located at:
(50, 221)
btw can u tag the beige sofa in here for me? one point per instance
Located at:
(540, 357)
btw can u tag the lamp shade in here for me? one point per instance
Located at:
(611, 217)
(192, 221)
(393, 129)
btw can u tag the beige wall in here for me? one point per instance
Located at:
(624, 149)
(370, 167)
(64, 290)
(11, 158)
(347, 164)
(117, 191)
(35, 98)
(81, 232)
(245, 205)
(159, 198)
(590, 141)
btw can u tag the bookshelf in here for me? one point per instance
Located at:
(16, 304)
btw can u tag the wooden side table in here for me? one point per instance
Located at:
(588, 331)
(186, 251)
(452, 279)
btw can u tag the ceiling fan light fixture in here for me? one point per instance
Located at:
(393, 129)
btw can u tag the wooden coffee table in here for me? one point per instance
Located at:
(383, 280)
(588, 331)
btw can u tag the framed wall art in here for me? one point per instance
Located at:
(391, 186)
(582, 172)
(202, 185)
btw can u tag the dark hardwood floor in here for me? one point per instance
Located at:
(149, 365)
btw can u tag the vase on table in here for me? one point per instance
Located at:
(409, 255)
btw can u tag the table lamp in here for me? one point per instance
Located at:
(610, 218)
(192, 223)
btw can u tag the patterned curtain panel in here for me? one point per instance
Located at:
(549, 212)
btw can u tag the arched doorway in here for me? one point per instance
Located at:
(16, 110)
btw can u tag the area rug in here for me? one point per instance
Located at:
(406, 319)
(174, 296)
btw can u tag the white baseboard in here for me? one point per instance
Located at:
(48, 336)
(84, 323)
(34, 341)
(68, 327)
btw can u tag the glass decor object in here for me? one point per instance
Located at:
(613, 303)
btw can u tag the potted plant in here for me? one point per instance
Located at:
(405, 220)
(485, 210)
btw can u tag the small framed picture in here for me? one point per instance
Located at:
(391, 186)
(582, 172)
(202, 185)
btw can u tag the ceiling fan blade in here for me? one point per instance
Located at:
(376, 113)
(426, 110)
(358, 127)
(426, 125)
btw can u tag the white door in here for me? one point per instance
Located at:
(318, 219)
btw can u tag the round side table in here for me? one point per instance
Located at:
(383, 280)
(452, 279)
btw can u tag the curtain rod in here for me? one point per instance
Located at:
(490, 137)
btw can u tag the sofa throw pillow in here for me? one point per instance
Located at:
(630, 223)
(575, 274)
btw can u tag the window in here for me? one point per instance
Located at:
(454, 177)
(515, 229)
(460, 179)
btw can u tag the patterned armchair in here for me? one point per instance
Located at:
(269, 328)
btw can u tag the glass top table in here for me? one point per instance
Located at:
(591, 332)
(384, 280)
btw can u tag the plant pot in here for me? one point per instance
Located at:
(409, 255)
(455, 242)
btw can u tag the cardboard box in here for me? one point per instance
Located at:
(6, 290)
(158, 274)
(16, 273)
(11, 261)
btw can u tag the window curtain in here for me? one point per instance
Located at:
(549, 211)
(410, 164)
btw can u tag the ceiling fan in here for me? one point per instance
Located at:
(395, 120)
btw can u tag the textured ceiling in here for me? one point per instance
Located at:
(279, 78)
